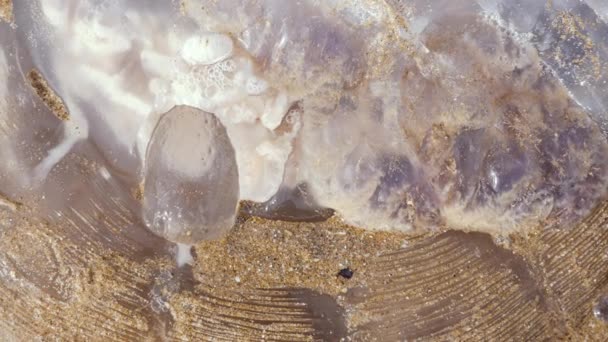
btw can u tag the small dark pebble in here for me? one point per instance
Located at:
(346, 273)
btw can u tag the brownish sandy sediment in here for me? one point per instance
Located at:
(47, 95)
(268, 278)
(6, 10)
(254, 255)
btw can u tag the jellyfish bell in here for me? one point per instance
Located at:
(443, 122)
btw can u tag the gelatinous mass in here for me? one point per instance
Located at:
(481, 115)
(191, 186)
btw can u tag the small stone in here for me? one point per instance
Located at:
(346, 273)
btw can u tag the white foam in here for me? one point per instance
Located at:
(256, 86)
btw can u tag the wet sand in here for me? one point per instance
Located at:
(280, 280)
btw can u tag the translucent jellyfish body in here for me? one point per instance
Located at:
(191, 186)
(412, 117)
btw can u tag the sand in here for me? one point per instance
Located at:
(280, 280)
